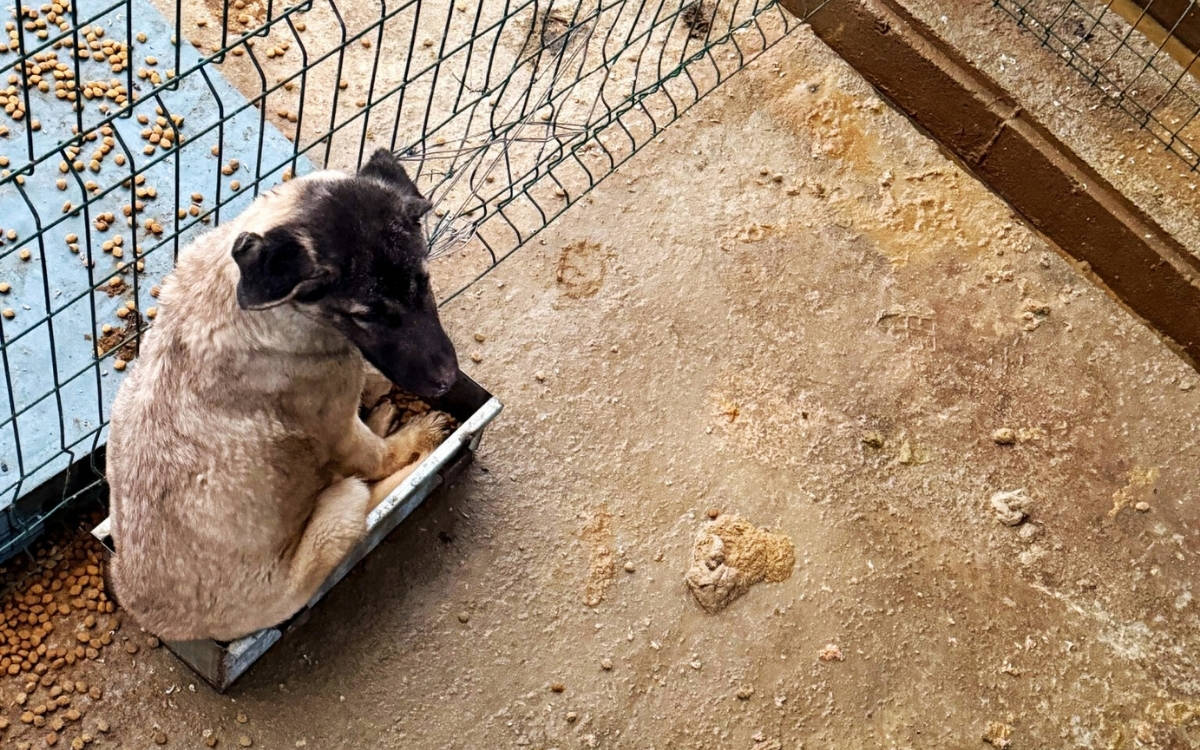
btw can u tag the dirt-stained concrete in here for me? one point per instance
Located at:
(799, 312)
(984, 128)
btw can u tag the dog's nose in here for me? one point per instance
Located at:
(447, 375)
(446, 381)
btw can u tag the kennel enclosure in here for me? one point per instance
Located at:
(131, 126)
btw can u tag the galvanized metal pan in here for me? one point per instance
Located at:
(221, 663)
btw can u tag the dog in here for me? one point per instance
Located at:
(240, 471)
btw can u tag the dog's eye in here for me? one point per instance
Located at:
(371, 312)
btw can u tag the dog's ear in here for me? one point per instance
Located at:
(276, 268)
(383, 165)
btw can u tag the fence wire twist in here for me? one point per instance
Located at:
(1142, 55)
(132, 125)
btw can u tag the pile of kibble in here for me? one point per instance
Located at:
(407, 405)
(58, 619)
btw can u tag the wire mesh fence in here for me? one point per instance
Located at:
(130, 126)
(1142, 55)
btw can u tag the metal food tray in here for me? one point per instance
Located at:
(221, 663)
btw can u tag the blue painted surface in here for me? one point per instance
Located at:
(60, 392)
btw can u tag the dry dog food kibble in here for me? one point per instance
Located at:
(49, 596)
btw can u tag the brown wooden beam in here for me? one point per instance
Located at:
(1002, 145)
(1180, 19)
(1180, 39)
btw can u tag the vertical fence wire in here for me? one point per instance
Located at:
(1143, 56)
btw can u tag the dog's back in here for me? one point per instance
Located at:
(214, 456)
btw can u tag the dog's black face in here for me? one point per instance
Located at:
(355, 256)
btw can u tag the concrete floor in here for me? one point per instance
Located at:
(728, 343)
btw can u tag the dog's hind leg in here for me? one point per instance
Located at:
(384, 487)
(338, 522)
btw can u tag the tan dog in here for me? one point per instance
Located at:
(238, 464)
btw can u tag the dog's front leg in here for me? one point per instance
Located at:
(381, 412)
(363, 453)
(416, 440)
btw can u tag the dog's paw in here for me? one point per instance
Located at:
(381, 418)
(417, 438)
(430, 428)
